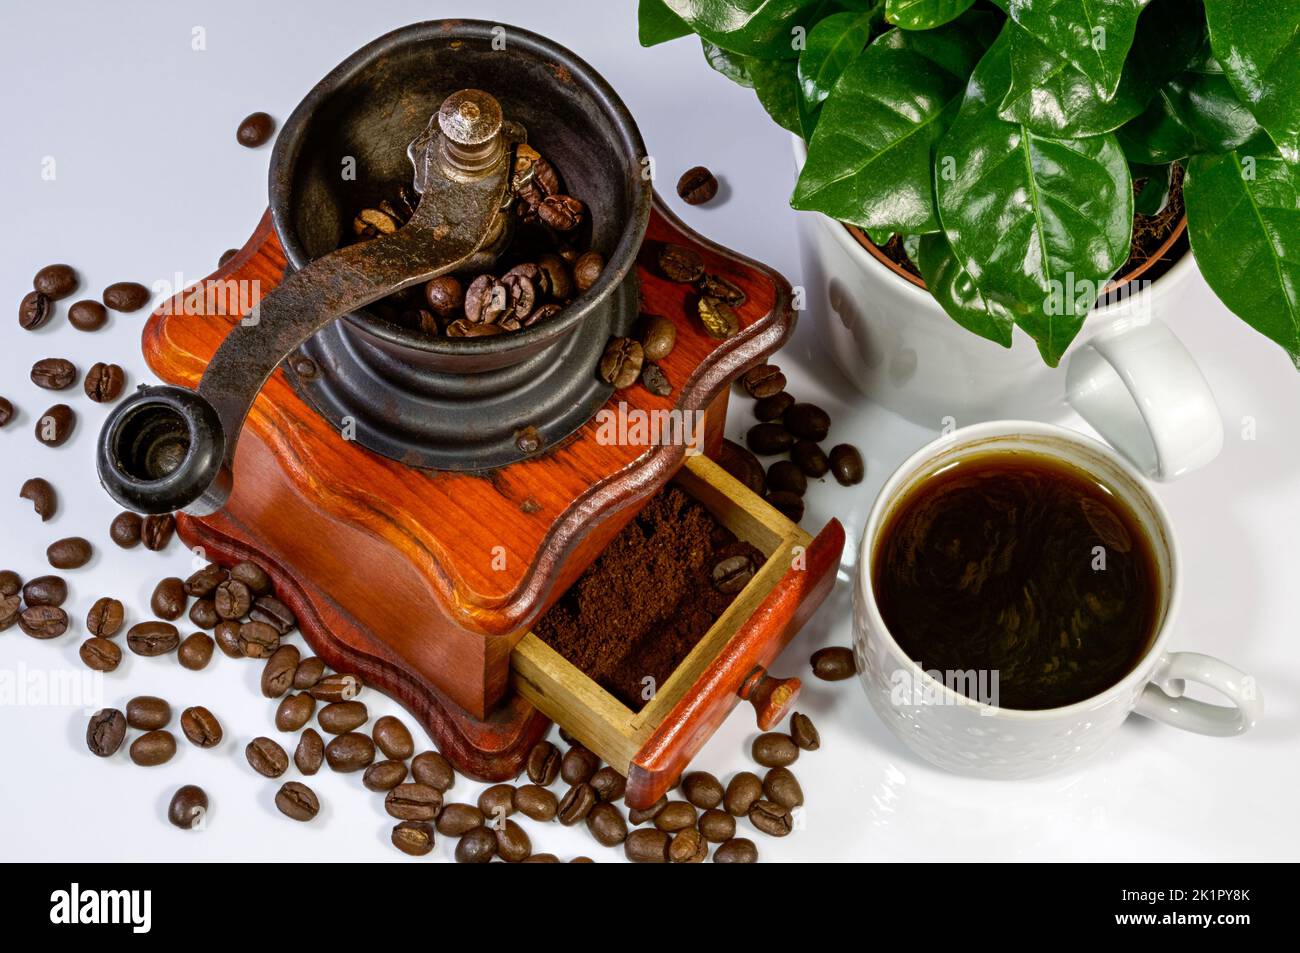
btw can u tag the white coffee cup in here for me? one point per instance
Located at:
(946, 727)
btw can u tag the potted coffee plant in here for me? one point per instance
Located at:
(1016, 161)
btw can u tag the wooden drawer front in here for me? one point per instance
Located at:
(652, 747)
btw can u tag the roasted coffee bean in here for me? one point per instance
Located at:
(148, 712)
(742, 791)
(477, 846)
(54, 373)
(100, 654)
(578, 765)
(676, 816)
(257, 639)
(87, 315)
(195, 651)
(157, 530)
(125, 530)
(384, 775)
(226, 635)
(576, 804)
(780, 785)
(125, 296)
(715, 286)
(771, 818)
(768, 439)
(702, 789)
(809, 458)
(6, 411)
(620, 365)
(71, 552)
(806, 421)
(764, 380)
(45, 591)
(742, 465)
(587, 269)
(738, 850)
(104, 382)
(682, 264)
(655, 381)
(543, 763)
(152, 638)
(833, 664)
(232, 599)
(433, 769)
(445, 295)
(688, 847)
(717, 826)
(56, 281)
(557, 279)
(310, 752)
(608, 784)
(310, 671)
(413, 802)
(253, 576)
(336, 688)
(771, 408)
(10, 611)
(486, 300)
(43, 622)
(540, 859)
(657, 336)
(226, 255)
(55, 426)
(274, 613)
(804, 733)
(846, 464)
(521, 295)
(297, 801)
(351, 751)
(153, 748)
(463, 328)
(641, 815)
(774, 750)
(201, 727)
(266, 757)
(294, 711)
(105, 732)
(277, 674)
(789, 505)
(497, 802)
(783, 476)
(648, 845)
(457, 819)
(341, 717)
(718, 317)
(255, 130)
(413, 837)
(204, 613)
(607, 824)
(393, 738)
(732, 574)
(41, 495)
(372, 222)
(188, 807)
(537, 802)
(202, 583)
(697, 185)
(513, 844)
(34, 310)
(11, 584)
(168, 599)
(562, 213)
(104, 620)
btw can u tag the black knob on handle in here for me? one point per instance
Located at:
(163, 449)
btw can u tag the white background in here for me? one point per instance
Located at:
(150, 182)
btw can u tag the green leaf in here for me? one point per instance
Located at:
(1243, 219)
(924, 14)
(731, 65)
(777, 84)
(655, 23)
(763, 28)
(1153, 196)
(1039, 224)
(869, 159)
(1094, 35)
(833, 44)
(1258, 43)
(952, 287)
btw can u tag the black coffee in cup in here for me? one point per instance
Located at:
(1020, 566)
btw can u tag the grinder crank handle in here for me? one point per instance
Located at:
(169, 448)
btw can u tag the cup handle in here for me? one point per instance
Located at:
(1162, 698)
(1142, 391)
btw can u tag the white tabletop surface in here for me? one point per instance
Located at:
(150, 186)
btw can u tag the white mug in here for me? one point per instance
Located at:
(947, 728)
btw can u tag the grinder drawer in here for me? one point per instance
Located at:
(653, 746)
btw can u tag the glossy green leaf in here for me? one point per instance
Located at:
(833, 44)
(924, 14)
(1153, 194)
(768, 29)
(777, 84)
(655, 23)
(1038, 224)
(952, 287)
(869, 159)
(1258, 43)
(731, 65)
(1094, 35)
(1243, 219)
